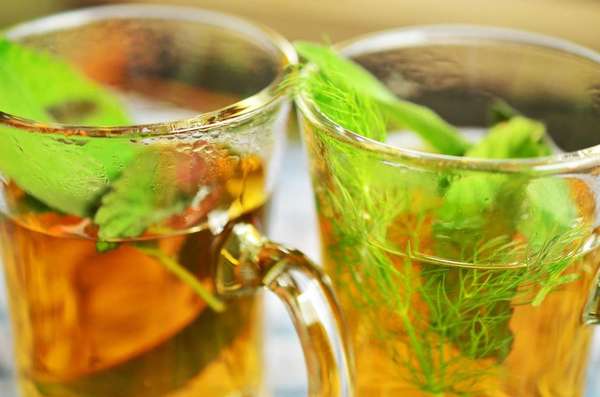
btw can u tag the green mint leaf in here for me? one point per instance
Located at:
(46, 88)
(145, 194)
(478, 208)
(65, 173)
(519, 137)
(471, 198)
(500, 111)
(159, 183)
(346, 85)
(550, 209)
(72, 174)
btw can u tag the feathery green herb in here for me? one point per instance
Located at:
(515, 247)
(341, 86)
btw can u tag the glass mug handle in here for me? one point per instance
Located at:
(249, 261)
(591, 311)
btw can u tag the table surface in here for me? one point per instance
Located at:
(294, 224)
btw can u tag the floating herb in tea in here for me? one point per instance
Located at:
(111, 180)
(436, 259)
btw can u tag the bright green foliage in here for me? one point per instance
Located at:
(338, 101)
(339, 97)
(344, 71)
(517, 138)
(67, 174)
(476, 208)
(550, 211)
(378, 217)
(127, 187)
(471, 199)
(347, 93)
(145, 194)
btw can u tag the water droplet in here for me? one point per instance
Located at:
(595, 95)
(217, 220)
(202, 193)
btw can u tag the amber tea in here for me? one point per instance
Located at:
(139, 145)
(109, 236)
(463, 254)
(424, 328)
(120, 324)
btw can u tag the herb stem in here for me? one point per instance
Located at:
(432, 128)
(184, 275)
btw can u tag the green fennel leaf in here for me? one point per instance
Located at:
(344, 70)
(345, 76)
(376, 227)
(477, 204)
(344, 104)
(519, 137)
(65, 173)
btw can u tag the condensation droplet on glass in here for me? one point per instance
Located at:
(217, 220)
(595, 94)
(202, 193)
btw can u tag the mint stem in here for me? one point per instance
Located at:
(188, 278)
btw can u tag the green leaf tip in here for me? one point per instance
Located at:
(352, 97)
(65, 173)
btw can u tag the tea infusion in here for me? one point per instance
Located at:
(457, 283)
(108, 252)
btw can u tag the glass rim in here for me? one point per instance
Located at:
(415, 36)
(231, 114)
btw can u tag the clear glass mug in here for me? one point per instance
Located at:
(132, 261)
(461, 276)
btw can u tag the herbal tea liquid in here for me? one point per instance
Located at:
(465, 257)
(399, 354)
(119, 324)
(424, 328)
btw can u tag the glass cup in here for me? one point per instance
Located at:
(129, 203)
(462, 276)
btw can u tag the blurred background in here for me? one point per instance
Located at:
(577, 20)
(335, 20)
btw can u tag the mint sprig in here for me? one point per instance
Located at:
(124, 187)
(65, 173)
(473, 197)
(145, 194)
